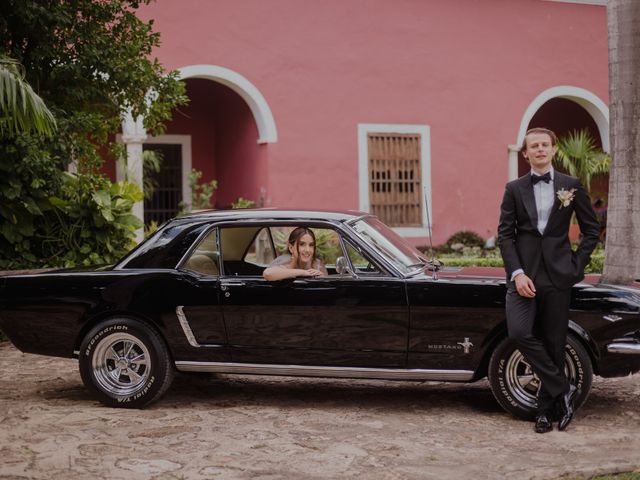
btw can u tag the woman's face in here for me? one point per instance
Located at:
(303, 249)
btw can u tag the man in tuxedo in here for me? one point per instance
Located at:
(541, 268)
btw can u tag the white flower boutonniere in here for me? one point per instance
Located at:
(566, 196)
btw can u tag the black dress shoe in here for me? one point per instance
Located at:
(543, 423)
(568, 405)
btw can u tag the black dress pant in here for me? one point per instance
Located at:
(539, 327)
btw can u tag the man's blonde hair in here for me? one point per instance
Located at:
(551, 134)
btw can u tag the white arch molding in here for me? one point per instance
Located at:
(586, 99)
(134, 134)
(267, 131)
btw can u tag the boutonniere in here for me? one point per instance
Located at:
(566, 196)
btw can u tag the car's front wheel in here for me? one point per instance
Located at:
(515, 386)
(125, 363)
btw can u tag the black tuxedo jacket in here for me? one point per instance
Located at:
(522, 246)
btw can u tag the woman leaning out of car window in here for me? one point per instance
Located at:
(301, 260)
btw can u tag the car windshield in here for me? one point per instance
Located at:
(390, 245)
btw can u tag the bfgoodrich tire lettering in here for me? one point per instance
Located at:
(515, 386)
(125, 363)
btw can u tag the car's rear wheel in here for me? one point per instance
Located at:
(515, 386)
(125, 363)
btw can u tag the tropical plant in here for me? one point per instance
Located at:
(201, 193)
(21, 109)
(93, 223)
(579, 155)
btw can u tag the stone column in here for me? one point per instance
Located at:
(513, 161)
(133, 136)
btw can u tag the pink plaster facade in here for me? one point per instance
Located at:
(469, 70)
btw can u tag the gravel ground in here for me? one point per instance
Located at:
(245, 427)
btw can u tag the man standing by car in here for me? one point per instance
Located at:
(541, 268)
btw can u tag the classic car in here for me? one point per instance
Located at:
(192, 298)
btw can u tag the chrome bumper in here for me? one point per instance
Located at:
(632, 348)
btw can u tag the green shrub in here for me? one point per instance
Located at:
(201, 193)
(461, 240)
(492, 258)
(597, 262)
(93, 222)
(467, 238)
(88, 222)
(2, 337)
(462, 261)
(243, 203)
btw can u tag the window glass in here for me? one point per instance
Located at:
(359, 262)
(390, 245)
(205, 259)
(327, 242)
(261, 251)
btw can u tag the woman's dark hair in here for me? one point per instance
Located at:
(296, 234)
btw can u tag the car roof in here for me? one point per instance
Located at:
(165, 247)
(273, 214)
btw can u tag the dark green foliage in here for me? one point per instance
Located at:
(90, 62)
(21, 109)
(476, 257)
(597, 261)
(466, 238)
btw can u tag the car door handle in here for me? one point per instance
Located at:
(234, 283)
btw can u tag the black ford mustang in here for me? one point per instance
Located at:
(192, 298)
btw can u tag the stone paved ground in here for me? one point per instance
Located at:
(242, 427)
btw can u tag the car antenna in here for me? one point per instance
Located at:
(434, 267)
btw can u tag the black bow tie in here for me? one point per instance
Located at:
(546, 178)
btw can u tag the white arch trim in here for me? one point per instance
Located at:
(586, 99)
(267, 132)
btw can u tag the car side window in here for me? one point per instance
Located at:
(360, 263)
(261, 251)
(204, 258)
(327, 243)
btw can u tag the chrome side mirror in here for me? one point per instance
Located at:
(342, 266)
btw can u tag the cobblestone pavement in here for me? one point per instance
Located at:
(243, 427)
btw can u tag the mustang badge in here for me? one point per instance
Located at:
(466, 344)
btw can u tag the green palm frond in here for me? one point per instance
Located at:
(21, 109)
(579, 156)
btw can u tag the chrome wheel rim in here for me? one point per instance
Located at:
(121, 364)
(523, 383)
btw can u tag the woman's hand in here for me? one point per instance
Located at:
(312, 272)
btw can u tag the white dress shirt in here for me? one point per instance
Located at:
(544, 200)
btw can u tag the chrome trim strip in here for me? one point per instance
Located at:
(184, 323)
(624, 347)
(316, 371)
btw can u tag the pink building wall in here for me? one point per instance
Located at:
(468, 69)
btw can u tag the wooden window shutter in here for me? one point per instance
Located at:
(395, 178)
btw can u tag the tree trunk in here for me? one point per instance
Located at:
(622, 257)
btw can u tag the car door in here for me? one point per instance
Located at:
(453, 319)
(337, 320)
(198, 296)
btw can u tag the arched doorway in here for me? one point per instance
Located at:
(222, 133)
(563, 109)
